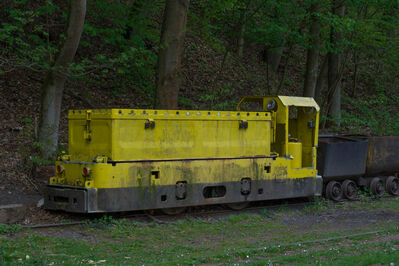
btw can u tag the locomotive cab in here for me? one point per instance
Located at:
(294, 127)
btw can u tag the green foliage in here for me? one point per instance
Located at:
(220, 99)
(100, 223)
(318, 205)
(126, 58)
(25, 39)
(10, 228)
(186, 103)
(119, 44)
(378, 115)
(117, 51)
(267, 213)
(276, 23)
(269, 23)
(31, 148)
(367, 195)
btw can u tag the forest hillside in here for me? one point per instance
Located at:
(182, 54)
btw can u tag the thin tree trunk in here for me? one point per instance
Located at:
(355, 54)
(312, 59)
(53, 86)
(217, 76)
(274, 57)
(334, 63)
(275, 53)
(170, 54)
(355, 62)
(240, 48)
(268, 80)
(321, 80)
(290, 49)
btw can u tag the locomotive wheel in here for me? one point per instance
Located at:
(392, 185)
(238, 206)
(334, 191)
(349, 189)
(174, 211)
(377, 186)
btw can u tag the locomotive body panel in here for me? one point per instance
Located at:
(131, 134)
(151, 185)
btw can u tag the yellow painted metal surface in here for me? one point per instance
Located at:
(299, 101)
(138, 174)
(150, 134)
(294, 119)
(295, 150)
(133, 148)
(285, 101)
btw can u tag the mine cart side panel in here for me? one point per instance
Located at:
(383, 156)
(341, 157)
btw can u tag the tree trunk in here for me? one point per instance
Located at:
(288, 57)
(312, 59)
(334, 63)
(170, 53)
(240, 48)
(53, 86)
(322, 80)
(354, 74)
(274, 57)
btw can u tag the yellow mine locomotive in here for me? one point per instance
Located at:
(133, 159)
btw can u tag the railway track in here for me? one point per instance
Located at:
(194, 212)
(200, 212)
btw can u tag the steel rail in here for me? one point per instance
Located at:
(194, 213)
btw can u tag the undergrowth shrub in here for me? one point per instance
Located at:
(377, 115)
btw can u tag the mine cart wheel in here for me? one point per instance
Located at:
(349, 189)
(392, 185)
(174, 211)
(238, 206)
(377, 186)
(334, 191)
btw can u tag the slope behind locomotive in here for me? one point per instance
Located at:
(127, 159)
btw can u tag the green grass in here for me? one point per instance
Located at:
(367, 203)
(9, 228)
(257, 239)
(165, 244)
(318, 205)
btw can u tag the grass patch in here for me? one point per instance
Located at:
(9, 228)
(391, 204)
(240, 238)
(318, 205)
